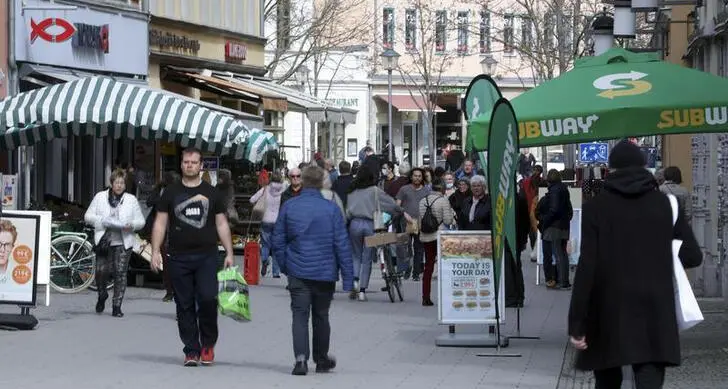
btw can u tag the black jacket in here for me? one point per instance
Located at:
(482, 219)
(289, 194)
(341, 187)
(623, 297)
(554, 209)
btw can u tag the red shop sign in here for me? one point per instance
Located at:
(236, 52)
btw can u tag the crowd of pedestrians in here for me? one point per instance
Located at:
(316, 219)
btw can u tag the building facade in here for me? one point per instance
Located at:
(707, 50)
(56, 42)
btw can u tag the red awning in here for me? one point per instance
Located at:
(409, 103)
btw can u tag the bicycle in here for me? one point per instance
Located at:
(381, 239)
(73, 261)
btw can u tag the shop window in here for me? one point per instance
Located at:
(462, 32)
(410, 29)
(232, 104)
(508, 34)
(388, 28)
(485, 32)
(440, 31)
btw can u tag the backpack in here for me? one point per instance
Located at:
(429, 224)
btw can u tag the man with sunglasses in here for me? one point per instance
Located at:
(293, 190)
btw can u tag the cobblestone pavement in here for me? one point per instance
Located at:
(377, 343)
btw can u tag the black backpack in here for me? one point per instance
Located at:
(430, 224)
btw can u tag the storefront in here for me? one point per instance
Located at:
(55, 45)
(354, 97)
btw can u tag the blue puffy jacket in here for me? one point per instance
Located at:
(310, 240)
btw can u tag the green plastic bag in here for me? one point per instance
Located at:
(233, 300)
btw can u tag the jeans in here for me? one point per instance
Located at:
(312, 297)
(266, 233)
(430, 260)
(116, 265)
(362, 255)
(558, 272)
(194, 278)
(646, 376)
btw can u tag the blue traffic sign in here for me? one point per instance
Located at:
(594, 152)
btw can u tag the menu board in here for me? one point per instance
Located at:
(466, 278)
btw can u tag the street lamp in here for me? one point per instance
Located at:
(602, 32)
(489, 65)
(389, 61)
(302, 76)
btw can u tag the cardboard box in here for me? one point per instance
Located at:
(385, 238)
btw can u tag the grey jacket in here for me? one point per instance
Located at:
(360, 203)
(684, 198)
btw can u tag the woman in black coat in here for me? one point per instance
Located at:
(554, 220)
(623, 303)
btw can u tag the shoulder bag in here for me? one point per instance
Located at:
(259, 207)
(686, 305)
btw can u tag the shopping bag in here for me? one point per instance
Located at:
(686, 305)
(233, 299)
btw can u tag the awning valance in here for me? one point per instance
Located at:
(316, 110)
(409, 103)
(101, 107)
(252, 144)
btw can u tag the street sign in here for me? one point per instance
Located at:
(594, 152)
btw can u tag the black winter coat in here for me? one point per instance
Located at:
(623, 297)
(482, 219)
(554, 209)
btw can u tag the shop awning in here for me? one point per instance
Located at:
(252, 144)
(101, 107)
(270, 101)
(250, 120)
(48, 75)
(316, 110)
(408, 103)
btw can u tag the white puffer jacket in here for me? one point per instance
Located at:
(129, 213)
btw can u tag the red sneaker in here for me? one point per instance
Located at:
(208, 356)
(191, 360)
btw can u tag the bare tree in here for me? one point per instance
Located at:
(309, 30)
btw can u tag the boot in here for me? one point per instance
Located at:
(116, 311)
(101, 302)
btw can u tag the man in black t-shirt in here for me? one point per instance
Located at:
(195, 214)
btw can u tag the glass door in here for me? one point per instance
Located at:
(409, 144)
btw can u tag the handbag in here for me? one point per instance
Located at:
(686, 305)
(104, 246)
(259, 208)
(378, 216)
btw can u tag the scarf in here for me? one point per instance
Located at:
(114, 199)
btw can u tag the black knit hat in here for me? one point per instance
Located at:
(626, 154)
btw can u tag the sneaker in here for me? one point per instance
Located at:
(208, 356)
(168, 297)
(352, 295)
(301, 368)
(362, 296)
(326, 365)
(191, 360)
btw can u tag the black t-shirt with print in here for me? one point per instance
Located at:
(191, 217)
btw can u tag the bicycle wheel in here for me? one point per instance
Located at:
(391, 273)
(73, 264)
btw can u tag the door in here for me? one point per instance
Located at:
(409, 144)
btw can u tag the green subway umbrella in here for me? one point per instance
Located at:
(614, 95)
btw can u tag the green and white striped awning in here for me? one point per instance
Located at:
(103, 107)
(252, 144)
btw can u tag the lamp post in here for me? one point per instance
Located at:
(602, 29)
(302, 76)
(489, 65)
(389, 61)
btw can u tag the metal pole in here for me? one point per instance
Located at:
(389, 116)
(303, 127)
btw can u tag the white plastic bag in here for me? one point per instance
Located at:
(686, 305)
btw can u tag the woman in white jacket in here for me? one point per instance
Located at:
(271, 195)
(115, 215)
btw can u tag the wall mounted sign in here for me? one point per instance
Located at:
(235, 52)
(81, 38)
(167, 40)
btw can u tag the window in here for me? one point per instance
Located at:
(388, 28)
(484, 32)
(283, 24)
(440, 31)
(410, 29)
(508, 33)
(526, 32)
(462, 32)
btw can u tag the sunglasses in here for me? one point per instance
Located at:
(295, 176)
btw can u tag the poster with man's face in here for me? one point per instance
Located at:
(18, 258)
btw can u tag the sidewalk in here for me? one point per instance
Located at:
(377, 344)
